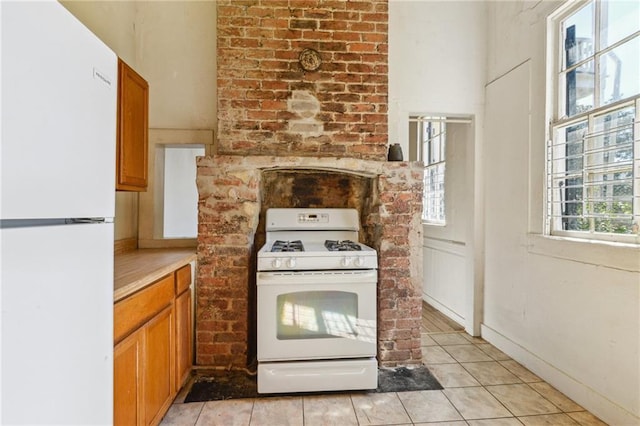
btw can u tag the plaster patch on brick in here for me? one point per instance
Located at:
(306, 106)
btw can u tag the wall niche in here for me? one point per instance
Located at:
(312, 188)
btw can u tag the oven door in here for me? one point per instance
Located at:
(316, 314)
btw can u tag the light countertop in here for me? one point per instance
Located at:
(137, 269)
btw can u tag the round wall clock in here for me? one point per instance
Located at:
(309, 60)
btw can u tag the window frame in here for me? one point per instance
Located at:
(150, 203)
(558, 119)
(425, 153)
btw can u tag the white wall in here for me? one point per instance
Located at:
(173, 46)
(176, 53)
(569, 311)
(437, 54)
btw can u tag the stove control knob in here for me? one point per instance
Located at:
(291, 262)
(359, 261)
(345, 261)
(277, 263)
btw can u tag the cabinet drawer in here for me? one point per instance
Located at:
(183, 278)
(130, 313)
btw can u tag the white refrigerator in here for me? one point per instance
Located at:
(57, 203)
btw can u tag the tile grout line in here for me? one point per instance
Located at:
(521, 382)
(484, 387)
(481, 385)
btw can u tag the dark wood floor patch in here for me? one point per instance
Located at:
(433, 321)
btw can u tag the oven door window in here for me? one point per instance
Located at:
(317, 315)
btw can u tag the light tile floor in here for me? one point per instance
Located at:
(482, 386)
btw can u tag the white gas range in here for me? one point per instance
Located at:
(316, 303)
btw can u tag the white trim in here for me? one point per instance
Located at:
(150, 203)
(607, 254)
(457, 248)
(444, 310)
(587, 397)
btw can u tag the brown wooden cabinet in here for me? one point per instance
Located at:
(132, 134)
(152, 353)
(184, 326)
(159, 364)
(127, 380)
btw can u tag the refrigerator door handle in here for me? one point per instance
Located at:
(80, 220)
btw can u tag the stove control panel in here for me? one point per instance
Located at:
(352, 261)
(307, 263)
(279, 263)
(313, 218)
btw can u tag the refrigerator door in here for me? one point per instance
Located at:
(59, 101)
(56, 327)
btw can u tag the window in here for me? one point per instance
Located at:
(593, 157)
(430, 134)
(168, 148)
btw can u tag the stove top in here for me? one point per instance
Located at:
(287, 246)
(314, 239)
(344, 245)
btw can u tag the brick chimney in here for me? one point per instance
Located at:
(269, 105)
(331, 124)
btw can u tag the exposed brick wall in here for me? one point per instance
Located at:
(229, 210)
(268, 105)
(275, 117)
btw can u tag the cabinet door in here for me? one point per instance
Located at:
(159, 366)
(127, 358)
(183, 338)
(133, 123)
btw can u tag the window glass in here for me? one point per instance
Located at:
(618, 20)
(580, 89)
(593, 186)
(433, 196)
(611, 176)
(568, 176)
(434, 146)
(578, 36)
(620, 72)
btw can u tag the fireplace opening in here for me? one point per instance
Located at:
(313, 188)
(309, 188)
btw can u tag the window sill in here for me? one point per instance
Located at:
(436, 224)
(168, 243)
(621, 256)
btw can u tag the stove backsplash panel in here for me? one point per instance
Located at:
(233, 193)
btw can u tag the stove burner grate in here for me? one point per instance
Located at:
(287, 246)
(344, 245)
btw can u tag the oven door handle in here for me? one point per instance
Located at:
(316, 277)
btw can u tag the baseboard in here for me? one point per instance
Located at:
(443, 309)
(582, 394)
